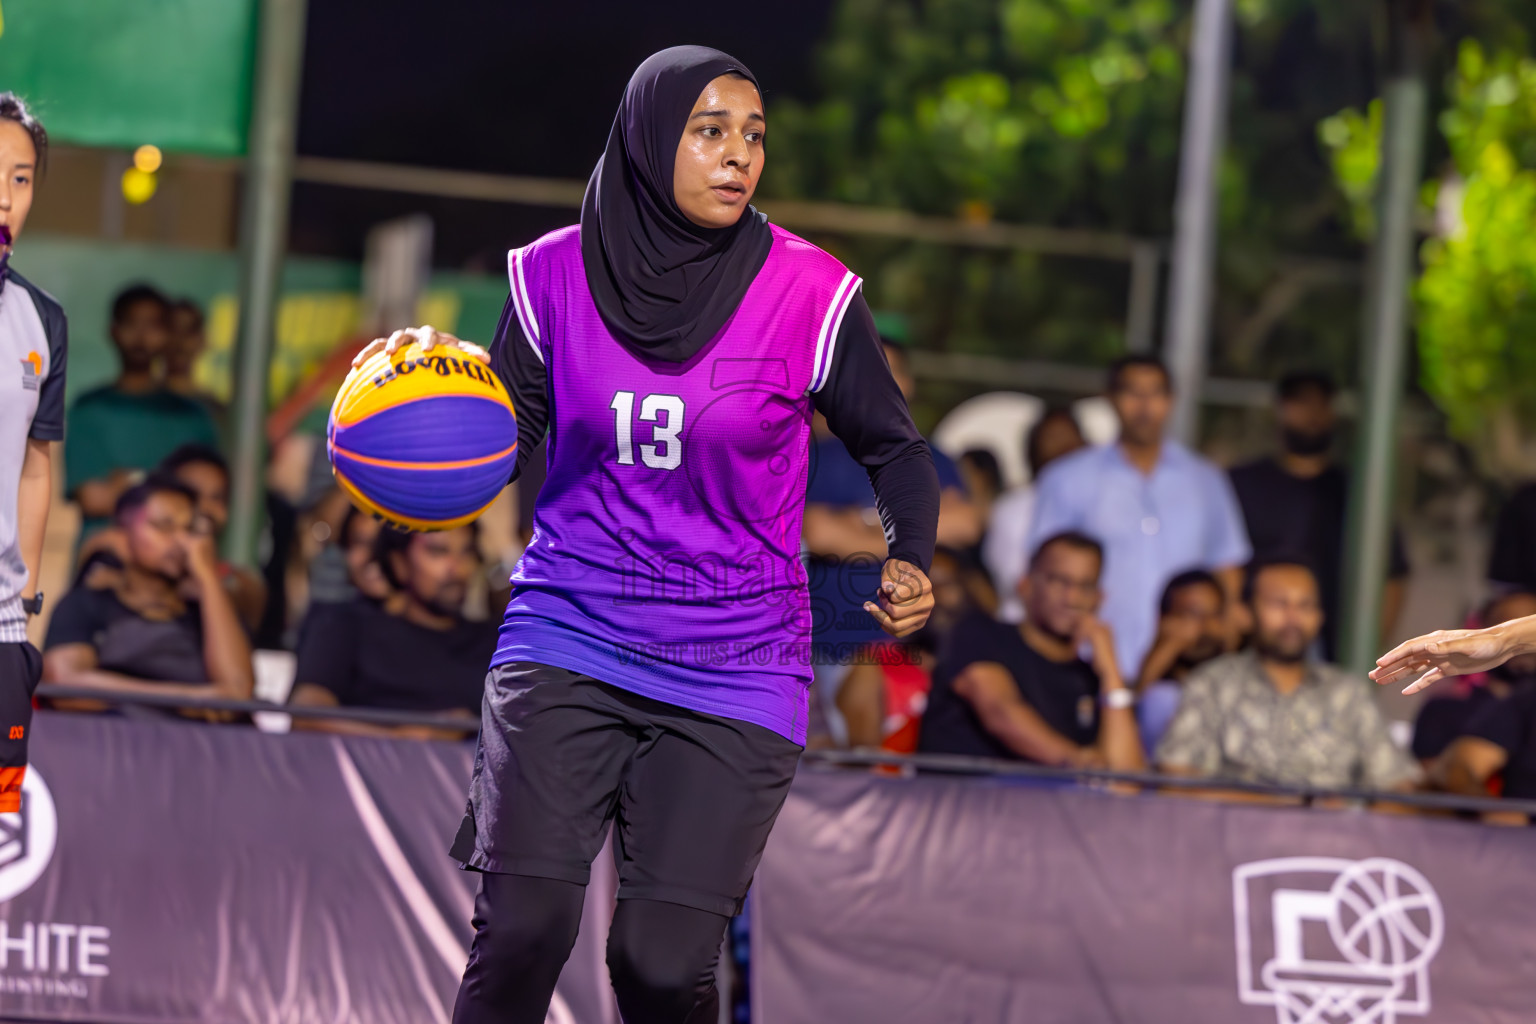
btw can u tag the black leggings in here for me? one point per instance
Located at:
(661, 956)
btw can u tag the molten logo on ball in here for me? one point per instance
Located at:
(1330, 941)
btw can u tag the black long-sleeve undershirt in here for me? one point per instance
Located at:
(523, 374)
(868, 413)
(863, 406)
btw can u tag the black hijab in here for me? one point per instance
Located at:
(663, 285)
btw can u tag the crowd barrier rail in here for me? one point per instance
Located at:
(910, 763)
(167, 871)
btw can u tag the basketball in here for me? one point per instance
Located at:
(424, 441)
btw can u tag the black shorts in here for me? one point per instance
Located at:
(21, 667)
(561, 755)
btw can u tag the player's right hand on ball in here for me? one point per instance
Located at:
(429, 337)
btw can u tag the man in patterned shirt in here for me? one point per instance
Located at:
(1271, 714)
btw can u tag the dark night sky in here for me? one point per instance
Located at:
(500, 86)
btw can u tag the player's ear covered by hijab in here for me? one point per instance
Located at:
(663, 285)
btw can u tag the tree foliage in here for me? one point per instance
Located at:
(1068, 113)
(1029, 110)
(1477, 293)
(1353, 141)
(1054, 112)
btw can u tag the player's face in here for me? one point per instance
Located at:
(18, 169)
(212, 488)
(1286, 612)
(158, 534)
(720, 156)
(1061, 588)
(1142, 401)
(141, 335)
(1200, 604)
(362, 568)
(439, 567)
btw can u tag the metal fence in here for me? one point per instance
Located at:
(869, 759)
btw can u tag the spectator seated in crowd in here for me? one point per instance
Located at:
(203, 471)
(1495, 754)
(163, 623)
(1293, 503)
(115, 434)
(327, 531)
(1005, 548)
(1487, 734)
(1021, 691)
(1157, 507)
(417, 653)
(982, 475)
(184, 348)
(1191, 630)
(1442, 719)
(359, 538)
(361, 578)
(883, 698)
(1512, 559)
(1273, 713)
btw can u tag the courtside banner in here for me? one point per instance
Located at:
(986, 902)
(162, 871)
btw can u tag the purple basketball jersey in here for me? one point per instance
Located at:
(665, 552)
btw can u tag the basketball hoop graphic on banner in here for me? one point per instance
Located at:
(1331, 941)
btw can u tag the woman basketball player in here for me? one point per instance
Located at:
(654, 658)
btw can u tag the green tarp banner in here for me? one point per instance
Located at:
(122, 73)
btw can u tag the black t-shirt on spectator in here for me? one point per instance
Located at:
(1510, 723)
(1442, 720)
(1513, 558)
(1065, 694)
(369, 658)
(1288, 516)
(126, 642)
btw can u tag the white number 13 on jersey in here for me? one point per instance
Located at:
(667, 450)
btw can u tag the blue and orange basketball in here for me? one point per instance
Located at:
(423, 441)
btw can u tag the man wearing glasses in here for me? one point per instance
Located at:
(1025, 692)
(161, 622)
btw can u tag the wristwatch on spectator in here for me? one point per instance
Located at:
(1118, 699)
(34, 604)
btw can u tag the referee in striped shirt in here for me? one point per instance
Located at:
(33, 340)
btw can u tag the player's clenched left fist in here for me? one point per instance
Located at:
(905, 599)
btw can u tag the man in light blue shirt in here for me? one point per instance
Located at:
(1157, 507)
